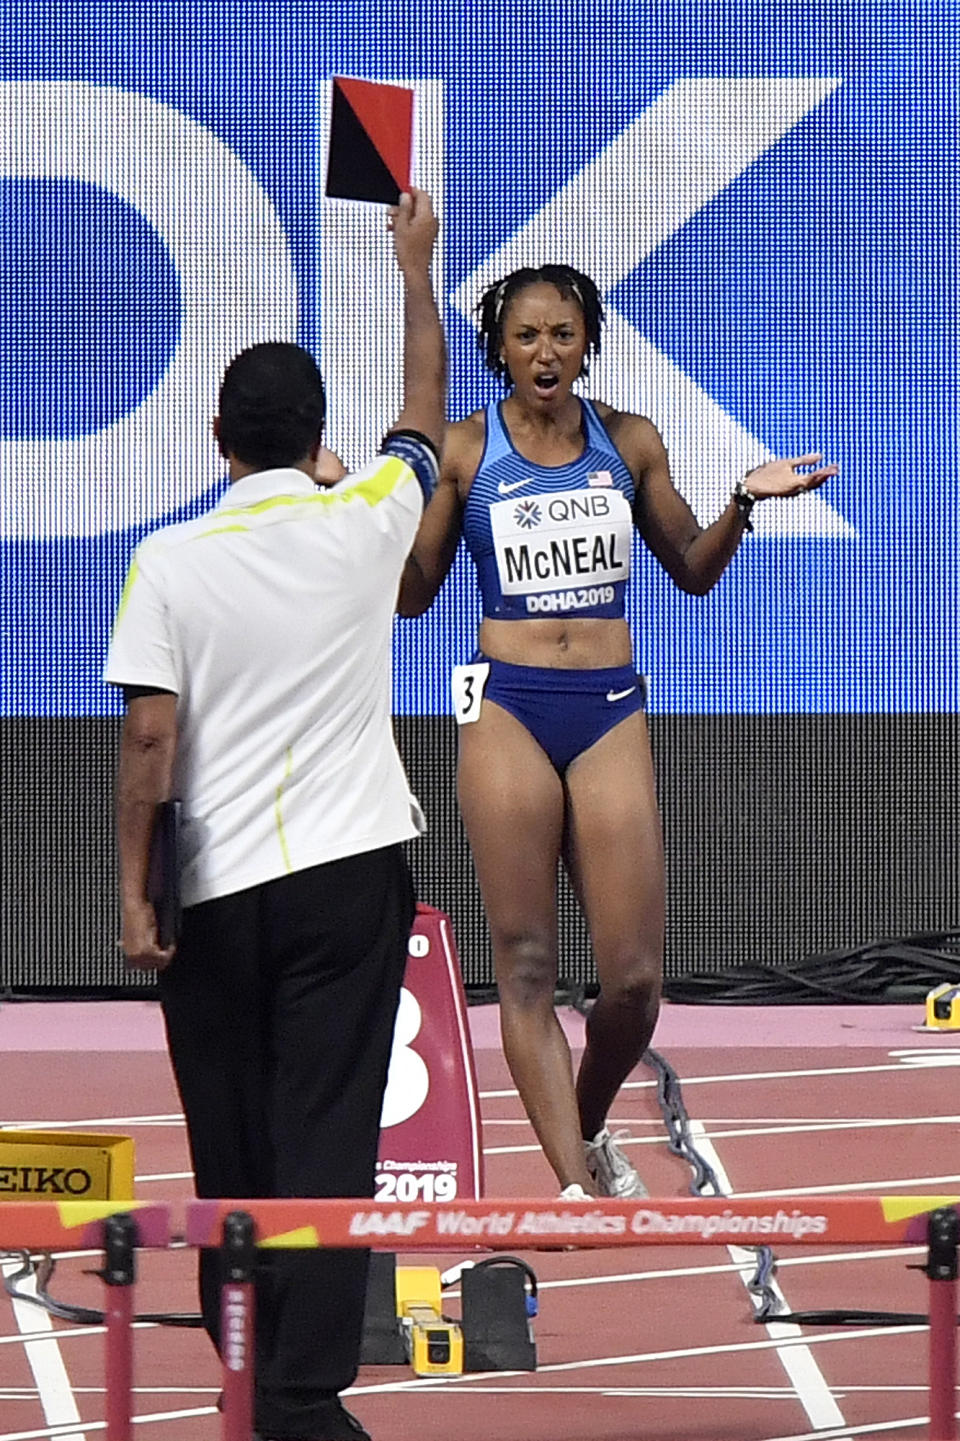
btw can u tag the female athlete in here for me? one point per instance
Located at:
(554, 758)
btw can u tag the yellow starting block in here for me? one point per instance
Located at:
(434, 1345)
(404, 1324)
(943, 1008)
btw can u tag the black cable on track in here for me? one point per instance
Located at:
(883, 972)
(42, 1268)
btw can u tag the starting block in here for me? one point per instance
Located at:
(404, 1320)
(434, 1345)
(943, 1008)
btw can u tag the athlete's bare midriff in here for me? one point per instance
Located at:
(558, 644)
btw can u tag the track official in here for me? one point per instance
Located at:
(254, 649)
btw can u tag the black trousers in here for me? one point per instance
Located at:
(279, 1007)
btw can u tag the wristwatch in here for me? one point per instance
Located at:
(744, 500)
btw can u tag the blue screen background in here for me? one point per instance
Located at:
(813, 298)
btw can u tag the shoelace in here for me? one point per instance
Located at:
(618, 1163)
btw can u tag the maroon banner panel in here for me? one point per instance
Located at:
(430, 1145)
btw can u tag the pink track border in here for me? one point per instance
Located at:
(138, 1026)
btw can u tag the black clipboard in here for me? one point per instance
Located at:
(163, 875)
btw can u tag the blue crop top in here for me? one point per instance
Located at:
(550, 540)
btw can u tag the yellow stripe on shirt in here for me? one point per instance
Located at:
(128, 584)
(278, 811)
(373, 489)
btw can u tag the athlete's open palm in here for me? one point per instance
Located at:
(781, 477)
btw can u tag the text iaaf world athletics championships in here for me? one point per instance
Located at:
(641, 1222)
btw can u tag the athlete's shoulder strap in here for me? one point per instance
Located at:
(597, 432)
(496, 440)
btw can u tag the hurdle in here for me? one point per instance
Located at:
(239, 1227)
(118, 1228)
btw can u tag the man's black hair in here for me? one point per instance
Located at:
(272, 406)
(572, 285)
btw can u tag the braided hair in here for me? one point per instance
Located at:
(572, 285)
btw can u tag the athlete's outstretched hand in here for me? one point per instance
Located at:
(780, 477)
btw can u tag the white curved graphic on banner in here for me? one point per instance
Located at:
(408, 1080)
(237, 285)
(689, 145)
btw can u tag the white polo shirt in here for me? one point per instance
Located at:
(271, 619)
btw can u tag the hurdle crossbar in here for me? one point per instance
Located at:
(504, 1225)
(78, 1225)
(238, 1227)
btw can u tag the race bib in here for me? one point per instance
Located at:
(569, 540)
(467, 683)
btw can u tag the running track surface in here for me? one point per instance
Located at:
(647, 1342)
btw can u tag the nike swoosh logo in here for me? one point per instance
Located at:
(506, 486)
(619, 694)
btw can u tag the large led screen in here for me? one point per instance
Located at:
(767, 198)
(765, 194)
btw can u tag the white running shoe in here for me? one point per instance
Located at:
(610, 1168)
(574, 1192)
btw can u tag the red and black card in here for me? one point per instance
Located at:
(371, 141)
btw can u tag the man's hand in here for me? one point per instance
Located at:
(328, 468)
(414, 228)
(138, 942)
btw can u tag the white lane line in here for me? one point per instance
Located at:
(722, 1393)
(45, 1360)
(834, 1187)
(45, 1335)
(95, 1122)
(873, 1428)
(811, 1386)
(733, 1391)
(76, 1255)
(792, 1128)
(908, 1064)
(739, 1348)
(54, 1433)
(755, 1131)
(522, 1121)
(800, 1073)
(827, 1123)
(758, 1393)
(16, 1393)
(855, 1186)
(903, 1068)
(533, 1148)
(726, 1269)
(72, 1334)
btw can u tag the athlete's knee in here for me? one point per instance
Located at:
(526, 968)
(634, 982)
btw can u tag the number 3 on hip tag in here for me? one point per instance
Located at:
(467, 683)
